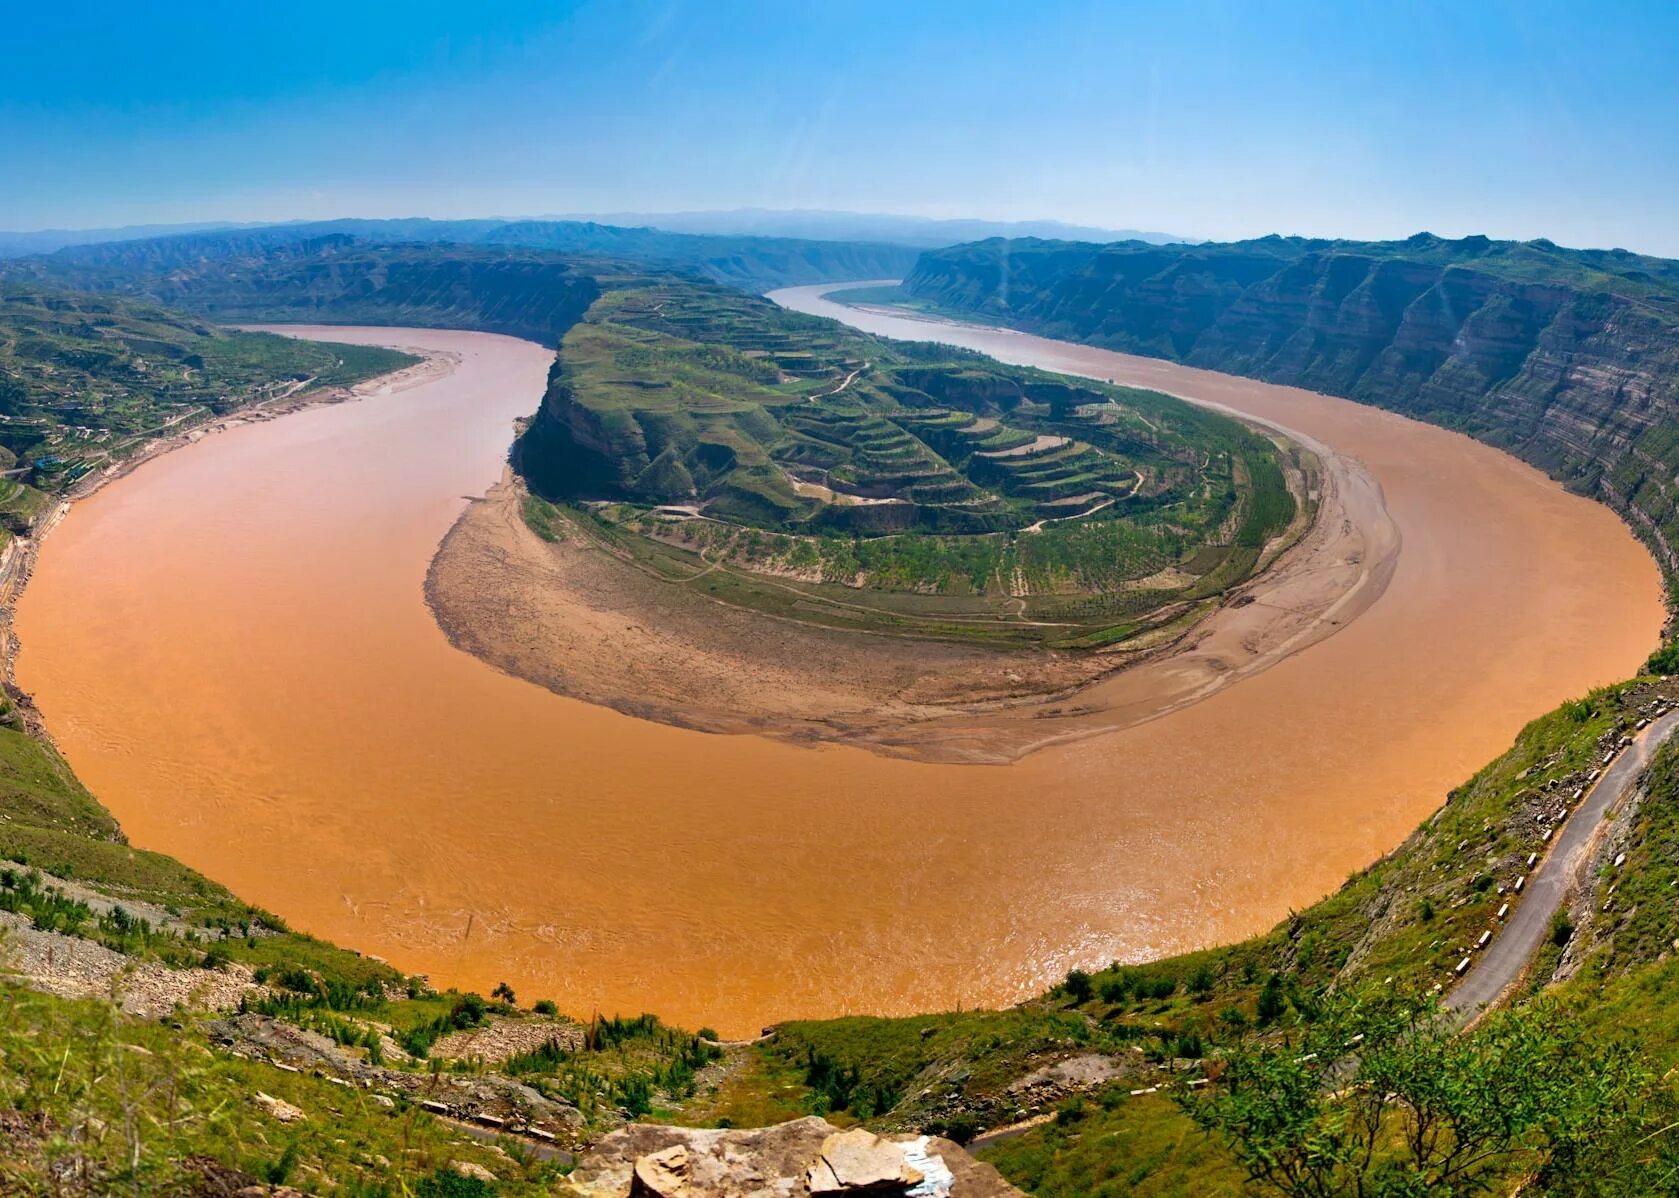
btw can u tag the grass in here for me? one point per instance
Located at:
(541, 517)
(1112, 1145)
(94, 1102)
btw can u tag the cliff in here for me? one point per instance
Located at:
(1567, 358)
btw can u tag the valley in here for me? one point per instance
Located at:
(461, 881)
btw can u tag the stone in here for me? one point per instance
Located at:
(278, 1108)
(475, 1171)
(860, 1162)
(662, 1174)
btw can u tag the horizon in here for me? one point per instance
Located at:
(1514, 122)
(188, 228)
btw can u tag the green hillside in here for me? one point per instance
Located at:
(713, 424)
(85, 380)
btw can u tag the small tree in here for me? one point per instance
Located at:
(1384, 1097)
(1078, 986)
(504, 993)
(1271, 1003)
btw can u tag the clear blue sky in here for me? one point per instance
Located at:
(1218, 119)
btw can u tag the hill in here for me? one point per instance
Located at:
(85, 380)
(714, 423)
(750, 262)
(1567, 358)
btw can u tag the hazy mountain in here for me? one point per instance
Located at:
(45, 241)
(750, 262)
(921, 231)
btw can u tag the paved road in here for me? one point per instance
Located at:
(1530, 921)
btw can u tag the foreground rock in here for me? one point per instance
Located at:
(807, 1158)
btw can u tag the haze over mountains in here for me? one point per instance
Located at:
(919, 232)
(820, 224)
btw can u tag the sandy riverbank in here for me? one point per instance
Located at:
(572, 616)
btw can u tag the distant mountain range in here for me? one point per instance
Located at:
(916, 232)
(46, 241)
(750, 263)
(923, 232)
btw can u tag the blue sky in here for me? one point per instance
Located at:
(1217, 119)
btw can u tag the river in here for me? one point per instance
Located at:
(232, 648)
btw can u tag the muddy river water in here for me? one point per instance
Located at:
(232, 648)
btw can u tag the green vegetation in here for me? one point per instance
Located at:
(86, 380)
(865, 483)
(92, 1102)
(1385, 1097)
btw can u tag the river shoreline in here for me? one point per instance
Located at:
(21, 554)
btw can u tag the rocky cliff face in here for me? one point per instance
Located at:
(1568, 359)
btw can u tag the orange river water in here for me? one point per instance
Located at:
(232, 648)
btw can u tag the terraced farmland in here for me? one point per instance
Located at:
(725, 434)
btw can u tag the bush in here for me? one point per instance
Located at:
(446, 1183)
(1078, 986)
(1562, 929)
(1201, 981)
(545, 1006)
(1664, 660)
(1069, 1112)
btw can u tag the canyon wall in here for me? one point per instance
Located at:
(1567, 358)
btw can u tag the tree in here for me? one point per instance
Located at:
(1385, 1098)
(1078, 986)
(504, 993)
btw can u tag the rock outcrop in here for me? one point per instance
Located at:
(807, 1158)
(1567, 358)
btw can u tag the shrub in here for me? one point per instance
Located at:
(1664, 660)
(1078, 986)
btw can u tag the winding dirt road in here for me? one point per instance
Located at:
(1504, 960)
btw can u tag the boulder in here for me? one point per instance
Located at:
(860, 1162)
(278, 1108)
